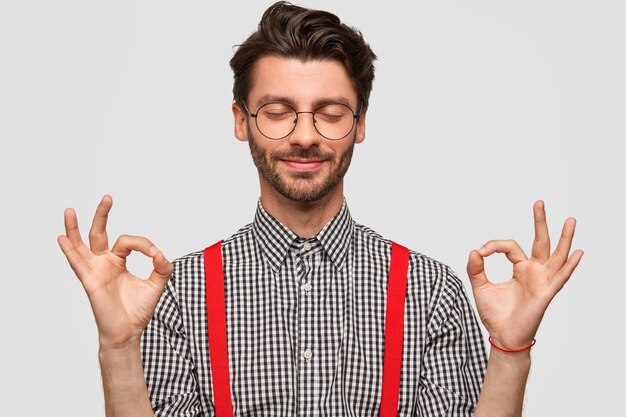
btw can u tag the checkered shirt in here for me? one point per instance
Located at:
(305, 323)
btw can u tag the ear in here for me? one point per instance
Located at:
(241, 125)
(360, 126)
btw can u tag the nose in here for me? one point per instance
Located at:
(305, 134)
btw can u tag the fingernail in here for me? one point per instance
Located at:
(153, 250)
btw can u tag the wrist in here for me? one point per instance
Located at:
(119, 342)
(520, 360)
(119, 349)
(504, 348)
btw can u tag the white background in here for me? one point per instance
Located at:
(479, 108)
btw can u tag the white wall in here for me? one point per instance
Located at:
(479, 108)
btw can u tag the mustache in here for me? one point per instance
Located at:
(302, 153)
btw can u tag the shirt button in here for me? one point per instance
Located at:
(307, 287)
(306, 246)
(307, 354)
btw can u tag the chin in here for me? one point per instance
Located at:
(305, 194)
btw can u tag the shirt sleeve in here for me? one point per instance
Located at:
(168, 367)
(455, 358)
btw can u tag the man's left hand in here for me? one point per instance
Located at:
(512, 311)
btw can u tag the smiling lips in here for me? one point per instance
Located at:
(303, 164)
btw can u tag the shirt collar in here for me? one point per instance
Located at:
(275, 238)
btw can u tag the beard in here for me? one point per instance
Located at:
(301, 187)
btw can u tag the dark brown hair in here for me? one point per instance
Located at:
(291, 31)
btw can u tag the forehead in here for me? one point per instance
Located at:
(304, 82)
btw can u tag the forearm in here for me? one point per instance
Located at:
(503, 389)
(125, 391)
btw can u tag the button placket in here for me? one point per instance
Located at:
(306, 309)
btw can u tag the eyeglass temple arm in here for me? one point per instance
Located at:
(246, 107)
(356, 116)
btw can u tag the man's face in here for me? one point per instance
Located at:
(304, 166)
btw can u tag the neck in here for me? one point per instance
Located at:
(304, 219)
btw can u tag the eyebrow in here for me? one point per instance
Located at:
(267, 98)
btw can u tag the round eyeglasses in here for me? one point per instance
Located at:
(276, 120)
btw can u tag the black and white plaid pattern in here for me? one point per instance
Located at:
(305, 329)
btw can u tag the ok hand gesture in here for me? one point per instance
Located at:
(512, 311)
(122, 303)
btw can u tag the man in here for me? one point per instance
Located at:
(302, 312)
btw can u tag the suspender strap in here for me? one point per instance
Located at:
(216, 325)
(394, 330)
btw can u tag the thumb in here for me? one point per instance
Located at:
(162, 270)
(476, 270)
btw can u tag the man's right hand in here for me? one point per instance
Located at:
(122, 303)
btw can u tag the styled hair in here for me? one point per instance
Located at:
(290, 31)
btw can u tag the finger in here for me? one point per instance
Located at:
(77, 263)
(162, 270)
(564, 274)
(125, 244)
(476, 270)
(71, 228)
(510, 248)
(561, 252)
(98, 239)
(541, 244)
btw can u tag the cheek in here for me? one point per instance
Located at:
(346, 148)
(268, 151)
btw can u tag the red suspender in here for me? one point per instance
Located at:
(394, 329)
(216, 325)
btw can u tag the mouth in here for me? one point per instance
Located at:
(303, 165)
